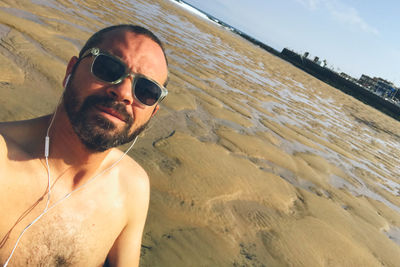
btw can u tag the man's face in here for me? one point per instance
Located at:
(103, 115)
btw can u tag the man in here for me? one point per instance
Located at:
(111, 92)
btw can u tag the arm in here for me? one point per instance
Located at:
(126, 248)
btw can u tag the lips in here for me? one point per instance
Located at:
(111, 112)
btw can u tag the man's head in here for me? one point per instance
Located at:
(104, 114)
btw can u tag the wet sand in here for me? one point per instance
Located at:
(252, 161)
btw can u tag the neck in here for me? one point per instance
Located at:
(66, 151)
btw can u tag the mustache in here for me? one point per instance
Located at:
(120, 108)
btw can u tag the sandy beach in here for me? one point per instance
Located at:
(252, 161)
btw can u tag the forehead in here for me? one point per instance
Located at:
(139, 52)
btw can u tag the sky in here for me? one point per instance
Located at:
(354, 36)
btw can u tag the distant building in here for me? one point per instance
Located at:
(368, 82)
(348, 77)
(377, 92)
(380, 86)
(396, 96)
(385, 88)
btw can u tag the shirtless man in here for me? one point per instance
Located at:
(111, 91)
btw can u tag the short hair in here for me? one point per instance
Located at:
(98, 37)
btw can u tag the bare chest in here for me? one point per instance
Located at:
(78, 232)
(57, 241)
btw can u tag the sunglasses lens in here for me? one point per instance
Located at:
(107, 69)
(111, 70)
(147, 91)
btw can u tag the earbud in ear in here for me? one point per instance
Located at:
(67, 80)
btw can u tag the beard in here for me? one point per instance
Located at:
(96, 132)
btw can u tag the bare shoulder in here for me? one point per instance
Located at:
(135, 187)
(22, 135)
(132, 171)
(134, 184)
(133, 178)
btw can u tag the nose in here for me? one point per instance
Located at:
(122, 91)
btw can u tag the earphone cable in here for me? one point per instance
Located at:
(48, 190)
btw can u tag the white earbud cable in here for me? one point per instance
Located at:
(48, 190)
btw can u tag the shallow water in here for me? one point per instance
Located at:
(289, 95)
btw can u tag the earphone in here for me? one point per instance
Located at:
(46, 155)
(67, 81)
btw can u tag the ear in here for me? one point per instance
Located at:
(69, 69)
(156, 108)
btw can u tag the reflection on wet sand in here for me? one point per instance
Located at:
(252, 161)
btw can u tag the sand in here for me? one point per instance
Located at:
(252, 161)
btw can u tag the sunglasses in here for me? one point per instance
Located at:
(110, 69)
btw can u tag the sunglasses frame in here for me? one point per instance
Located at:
(135, 76)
